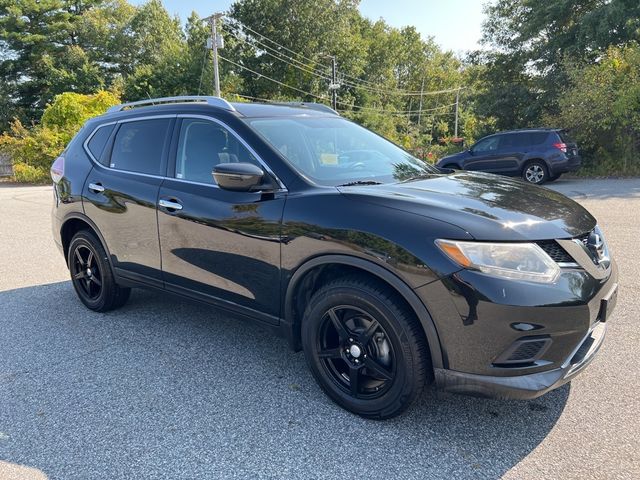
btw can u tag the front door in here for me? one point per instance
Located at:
(218, 245)
(483, 155)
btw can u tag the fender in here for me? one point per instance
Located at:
(88, 221)
(384, 274)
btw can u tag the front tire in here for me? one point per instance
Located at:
(365, 348)
(535, 172)
(91, 274)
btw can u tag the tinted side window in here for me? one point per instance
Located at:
(203, 145)
(138, 146)
(487, 145)
(537, 138)
(510, 140)
(99, 140)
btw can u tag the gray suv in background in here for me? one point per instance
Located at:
(537, 155)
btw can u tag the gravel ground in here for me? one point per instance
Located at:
(167, 389)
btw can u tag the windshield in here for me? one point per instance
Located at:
(335, 151)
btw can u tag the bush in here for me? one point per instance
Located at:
(24, 173)
(34, 149)
(601, 108)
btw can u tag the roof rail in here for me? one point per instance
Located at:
(213, 101)
(320, 107)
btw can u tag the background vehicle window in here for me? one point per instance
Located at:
(138, 146)
(99, 140)
(537, 138)
(202, 146)
(487, 145)
(512, 140)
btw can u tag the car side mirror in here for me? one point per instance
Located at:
(240, 177)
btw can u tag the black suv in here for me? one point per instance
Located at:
(537, 155)
(388, 272)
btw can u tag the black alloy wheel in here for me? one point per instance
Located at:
(86, 272)
(365, 348)
(91, 274)
(355, 352)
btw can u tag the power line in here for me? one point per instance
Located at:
(266, 49)
(271, 79)
(314, 71)
(393, 112)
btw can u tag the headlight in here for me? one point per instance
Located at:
(520, 261)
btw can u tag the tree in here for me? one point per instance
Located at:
(602, 108)
(532, 39)
(41, 52)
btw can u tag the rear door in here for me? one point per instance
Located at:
(218, 245)
(121, 192)
(510, 151)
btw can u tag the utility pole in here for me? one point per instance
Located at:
(216, 42)
(420, 108)
(455, 134)
(334, 83)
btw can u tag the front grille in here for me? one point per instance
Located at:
(559, 254)
(555, 251)
(584, 238)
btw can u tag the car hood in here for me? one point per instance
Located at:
(487, 207)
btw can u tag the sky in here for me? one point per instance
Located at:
(454, 24)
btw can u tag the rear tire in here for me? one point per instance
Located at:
(91, 274)
(535, 172)
(365, 348)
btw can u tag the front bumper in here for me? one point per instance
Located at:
(478, 318)
(524, 387)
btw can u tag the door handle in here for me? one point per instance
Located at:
(96, 187)
(170, 205)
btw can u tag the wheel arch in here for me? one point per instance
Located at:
(73, 223)
(307, 275)
(530, 160)
(454, 165)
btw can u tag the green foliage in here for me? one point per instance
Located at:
(546, 63)
(32, 150)
(602, 108)
(24, 173)
(70, 111)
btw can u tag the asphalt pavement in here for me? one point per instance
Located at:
(164, 388)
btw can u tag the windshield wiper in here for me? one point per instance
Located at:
(360, 182)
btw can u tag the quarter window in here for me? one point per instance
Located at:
(203, 145)
(138, 146)
(99, 140)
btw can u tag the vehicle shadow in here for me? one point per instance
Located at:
(164, 385)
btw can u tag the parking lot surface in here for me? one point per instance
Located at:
(164, 388)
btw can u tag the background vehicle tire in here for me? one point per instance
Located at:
(535, 172)
(91, 274)
(365, 348)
